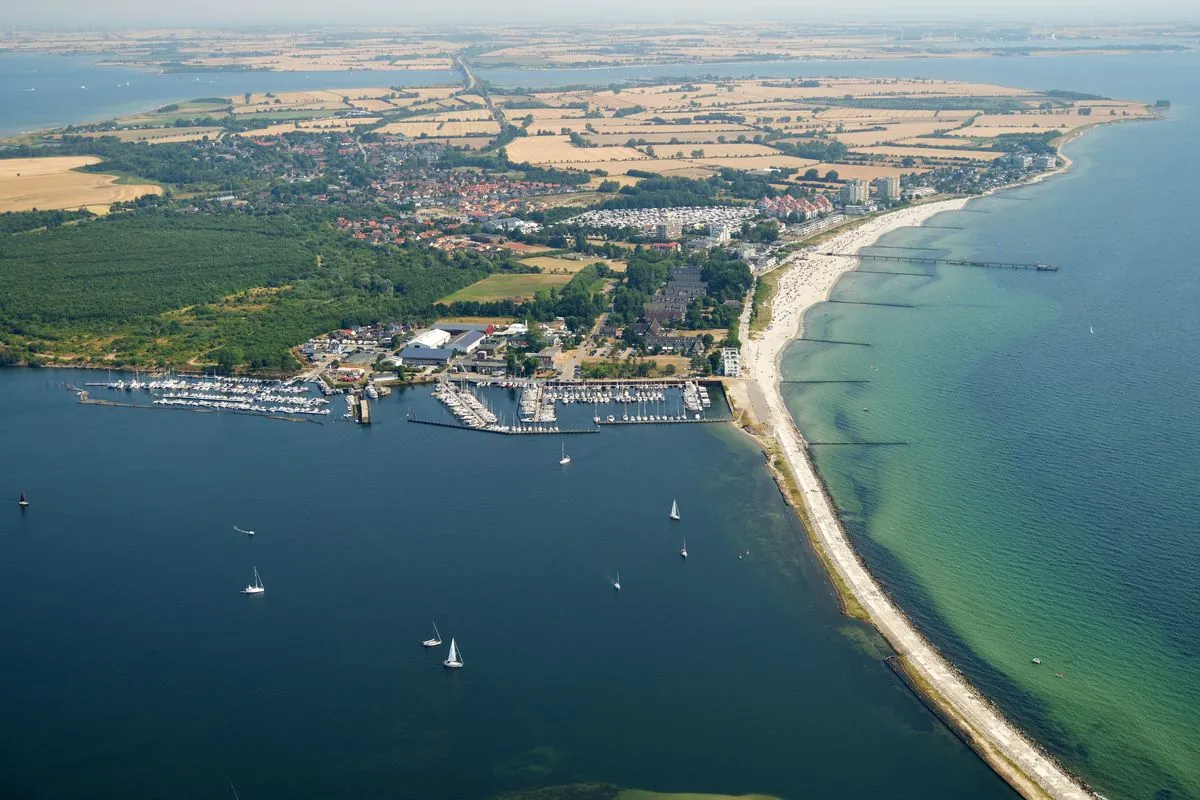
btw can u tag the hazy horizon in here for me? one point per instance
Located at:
(75, 14)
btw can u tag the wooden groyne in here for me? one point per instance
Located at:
(856, 444)
(860, 270)
(956, 262)
(831, 341)
(865, 303)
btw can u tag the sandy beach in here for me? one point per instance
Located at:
(808, 281)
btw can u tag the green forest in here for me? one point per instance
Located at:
(161, 287)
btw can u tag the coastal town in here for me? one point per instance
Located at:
(469, 259)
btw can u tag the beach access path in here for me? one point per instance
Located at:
(808, 280)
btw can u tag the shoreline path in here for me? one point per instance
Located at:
(806, 282)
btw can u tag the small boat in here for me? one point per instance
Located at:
(239, 530)
(683, 550)
(566, 459)
(1037, 661)
(24, 501)
(617, 583)
(256, 587)
(435, 640)
(1091, 330)
(674, 510)
(454, 660)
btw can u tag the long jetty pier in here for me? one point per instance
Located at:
(957, 262)
(505, 430)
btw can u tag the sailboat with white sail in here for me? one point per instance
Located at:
(566, 459)
(435, 640)
(256, 587)
(454, 660)
(674, 510)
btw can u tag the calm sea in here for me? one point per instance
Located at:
(41, 91)
(133, 667)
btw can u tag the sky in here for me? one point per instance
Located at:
(142, 13)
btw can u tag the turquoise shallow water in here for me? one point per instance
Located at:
(1045, 506)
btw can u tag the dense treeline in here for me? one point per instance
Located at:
(820, 149)
(21, 221)
(162, 287)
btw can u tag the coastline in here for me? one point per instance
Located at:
(805, 283)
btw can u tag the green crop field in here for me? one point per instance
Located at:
(508, 287)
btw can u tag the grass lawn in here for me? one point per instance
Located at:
(508, 286)
(554, 264)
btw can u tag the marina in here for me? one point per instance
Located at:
(247, 395)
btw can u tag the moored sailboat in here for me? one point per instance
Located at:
(256, 587)
(454, 660)
(566, 459)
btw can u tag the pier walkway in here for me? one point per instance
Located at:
(957, 262)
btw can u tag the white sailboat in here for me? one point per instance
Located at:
(566, 459)
(435, 641)
(256, 587)
(617, 582)
(239, 530)
(454, 660)
(674, 510)
(683, 550)
(24, 501)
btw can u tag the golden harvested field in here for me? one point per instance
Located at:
(900, 130)
(714, 150)
(876, 116)
(929, 152)
(505, 286)
(321, 124)
(310, 61)
(933, 141)
(165, 135)
(688, 166)
(569, 266)
(539, 114)
(373, 105)
(866, 171)
(656, 139)
(558, 149)
(51, 183)
(415, 128)
(976, 131)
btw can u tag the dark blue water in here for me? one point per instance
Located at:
(58, 98)
(133, 667)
